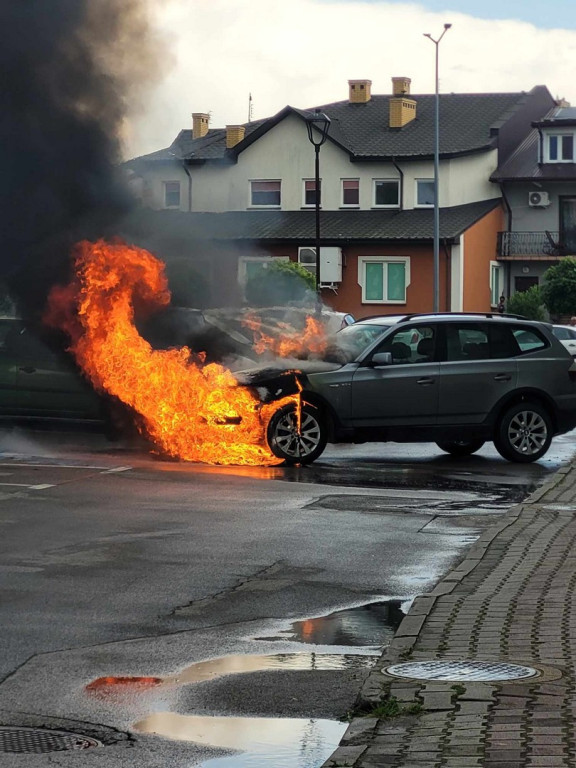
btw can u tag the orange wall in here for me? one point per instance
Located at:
(419, 294)
(480, 248)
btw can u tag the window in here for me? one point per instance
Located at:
(383, 281)
(496, 283)
(265, 193)
(250, 267)
(424, 192)
(351, 192)
(415, 344)
(172, 194)
(307, 258)
(310, 191)
(561, 148)
(528, 340)
(386, 192)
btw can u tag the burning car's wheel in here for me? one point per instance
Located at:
(297, 440)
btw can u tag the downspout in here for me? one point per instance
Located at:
(187, 172)
(401, 174)
(509, 229)
(448, 254)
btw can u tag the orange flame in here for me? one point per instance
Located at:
(312, 340)
(189, 410)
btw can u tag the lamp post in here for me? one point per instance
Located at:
(318, 125)
(436, 282)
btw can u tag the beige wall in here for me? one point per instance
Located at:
(285, 153)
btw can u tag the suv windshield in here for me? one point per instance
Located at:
(351, 341)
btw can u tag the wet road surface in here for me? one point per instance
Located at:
(253, 598)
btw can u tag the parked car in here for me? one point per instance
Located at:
(39, 380)
(470, 378)
(567, 335)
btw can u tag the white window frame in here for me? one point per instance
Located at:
(417, 183)
(496, 288)
(363, 260)
(558, 134)
(312, 268)
(390, 205)
(243, 260)
(304, 203)
(165, 187)
(272, 206)
(349, 205)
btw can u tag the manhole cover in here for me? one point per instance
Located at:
(37, 740)
(461, 670)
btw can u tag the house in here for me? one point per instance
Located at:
(538, 183)
(238, 197)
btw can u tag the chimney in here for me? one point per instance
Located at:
(402, 109)
(234, 135)
(359, 91)
(200, 122)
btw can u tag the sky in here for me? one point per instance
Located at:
(212, 54)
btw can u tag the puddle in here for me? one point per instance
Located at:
(282, 742)
(237, 665)
(263, 741)
(370, 625)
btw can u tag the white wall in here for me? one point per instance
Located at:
(285, 153)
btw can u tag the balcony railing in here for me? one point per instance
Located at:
(543, 245)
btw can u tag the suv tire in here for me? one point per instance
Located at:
(297, 445)
(460, 447)
(524, 433)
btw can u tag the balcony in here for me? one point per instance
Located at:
(536, 246)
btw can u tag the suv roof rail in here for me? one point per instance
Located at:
(464, 314)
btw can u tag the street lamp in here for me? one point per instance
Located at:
(318, 125)
(436, 173)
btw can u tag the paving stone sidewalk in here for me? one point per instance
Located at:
(511, 600)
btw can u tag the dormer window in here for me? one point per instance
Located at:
(559, 148)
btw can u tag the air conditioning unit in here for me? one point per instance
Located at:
(538, 199)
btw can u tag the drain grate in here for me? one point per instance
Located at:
(461, 671)
(38, 740)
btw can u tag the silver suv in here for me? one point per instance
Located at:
(455, 379)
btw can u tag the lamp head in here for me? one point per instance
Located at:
(447, 26)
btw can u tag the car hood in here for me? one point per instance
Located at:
(274, 382)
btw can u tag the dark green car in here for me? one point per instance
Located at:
(39, 382)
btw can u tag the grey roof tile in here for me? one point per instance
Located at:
(299, 226)
(467, 124)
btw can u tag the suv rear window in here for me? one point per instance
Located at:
(495, 341)
(528, 339)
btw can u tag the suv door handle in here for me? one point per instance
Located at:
(425, 382)
(502, 377)
(27, 369)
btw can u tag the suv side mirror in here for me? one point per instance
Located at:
(381, 358)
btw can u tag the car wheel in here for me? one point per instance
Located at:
(524, 433)
(297, 441)
(461, 447)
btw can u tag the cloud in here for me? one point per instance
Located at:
(303, 52)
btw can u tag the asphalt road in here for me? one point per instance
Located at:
(116, 563)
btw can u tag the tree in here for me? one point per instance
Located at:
(527, 303)
(281, 282)
(559, 287)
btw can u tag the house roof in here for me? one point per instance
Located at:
(299, 226)
(523, 165)
(469, 122)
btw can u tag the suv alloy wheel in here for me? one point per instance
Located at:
(524, 433)
(297, 443)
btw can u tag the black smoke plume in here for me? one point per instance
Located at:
(70, 72)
